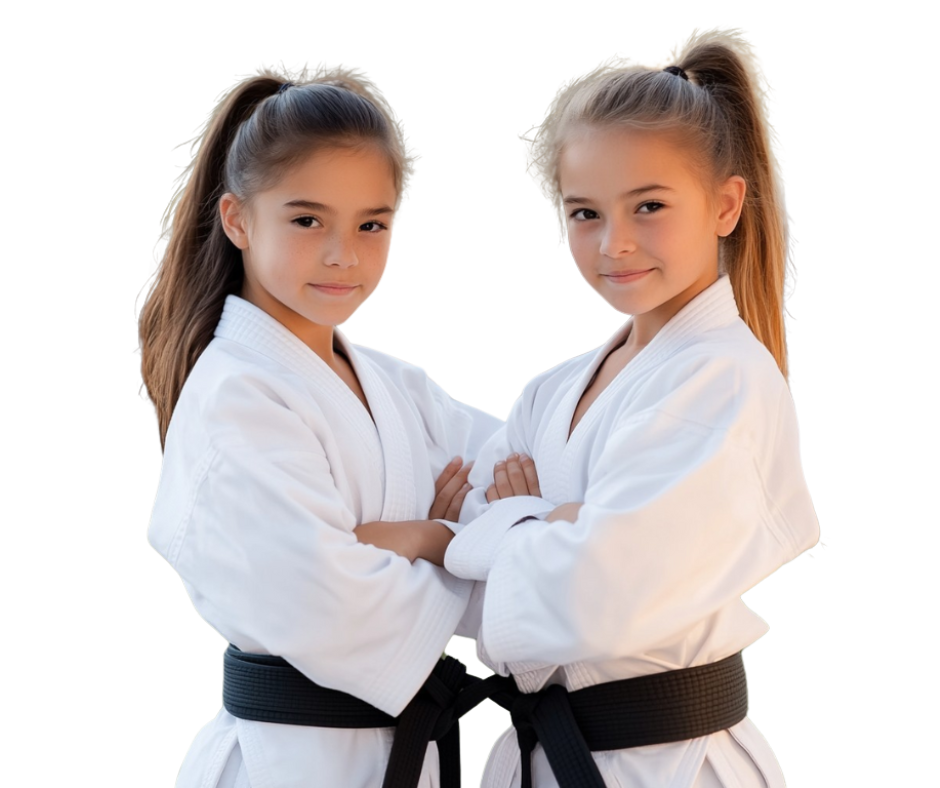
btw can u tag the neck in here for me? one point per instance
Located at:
(320, 339)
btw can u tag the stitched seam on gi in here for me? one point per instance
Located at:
(200, 475)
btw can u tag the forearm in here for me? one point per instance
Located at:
(411, 539)
(434, 539)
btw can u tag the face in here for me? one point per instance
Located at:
(642, 227)
(315, 244)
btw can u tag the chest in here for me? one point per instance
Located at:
(605, 374)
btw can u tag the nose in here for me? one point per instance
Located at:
(341, 252)
(617, 240)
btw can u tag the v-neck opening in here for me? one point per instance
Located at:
(340, 347)
(590, 376)
(367, 405)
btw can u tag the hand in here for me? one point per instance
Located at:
(567, 511)
(514, 476)
(450, 489)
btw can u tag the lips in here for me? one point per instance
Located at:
(622, 277)
(333, 288)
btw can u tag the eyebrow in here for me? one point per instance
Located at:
(321, 208)
(653, 187)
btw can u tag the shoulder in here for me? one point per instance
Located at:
(237, 397)
(729, 354)
(724, 379)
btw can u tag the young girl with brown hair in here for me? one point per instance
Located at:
(285, 445)
(668, 471)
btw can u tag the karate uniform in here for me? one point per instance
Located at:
(271, 461)
(689, 470)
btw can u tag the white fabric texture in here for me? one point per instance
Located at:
(270, 463)
(688, 467)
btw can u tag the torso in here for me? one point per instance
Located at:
(259, 400)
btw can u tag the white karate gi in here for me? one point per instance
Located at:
(689, 469)
(271, 461)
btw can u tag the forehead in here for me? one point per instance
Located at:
(341, 171)
(600, 159)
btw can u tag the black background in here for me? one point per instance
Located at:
(475, 248)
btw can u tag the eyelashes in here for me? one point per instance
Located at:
(588, 214)
(305, 221)
(581, 214)
(309, 222)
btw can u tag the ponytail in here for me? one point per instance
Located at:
(755, 254)
(260, 127)
(200, 266)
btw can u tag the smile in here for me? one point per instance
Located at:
(624, 277)
(334, 289)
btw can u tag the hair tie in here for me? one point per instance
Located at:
(284, 87)
(677, 71)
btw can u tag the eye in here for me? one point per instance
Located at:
(650, 207)
(306, 221)
(583, 214)
(373, 227)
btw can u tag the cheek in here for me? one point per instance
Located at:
(378, 250)
(582, 245)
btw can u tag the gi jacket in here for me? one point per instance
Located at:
(270, 463)
(688, 466)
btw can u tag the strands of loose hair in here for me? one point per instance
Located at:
(717, 114)
(263, 125)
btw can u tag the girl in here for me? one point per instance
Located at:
(283, 441)
(669, 479)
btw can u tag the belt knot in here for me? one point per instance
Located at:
(522, 712)
(442, 688)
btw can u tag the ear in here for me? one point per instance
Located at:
(730, 204)
(234, 220)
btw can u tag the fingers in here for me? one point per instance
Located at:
(453, 511)
(491, 494)
(531, 477)
(501, 481)
(444, 500)
(452, 468)
(515, 476)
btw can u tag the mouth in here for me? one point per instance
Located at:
(333, 288)
(624, 277)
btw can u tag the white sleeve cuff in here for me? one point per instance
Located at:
(473, 550)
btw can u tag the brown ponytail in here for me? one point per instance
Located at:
(264, 124)
(712, 101)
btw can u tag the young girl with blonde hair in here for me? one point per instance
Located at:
(285, 445)
(668, 475)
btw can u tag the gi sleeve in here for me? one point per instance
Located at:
(680, 517)
(265, 546)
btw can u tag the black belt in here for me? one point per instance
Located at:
(664, 707)
(269, 689)
(656, 709)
